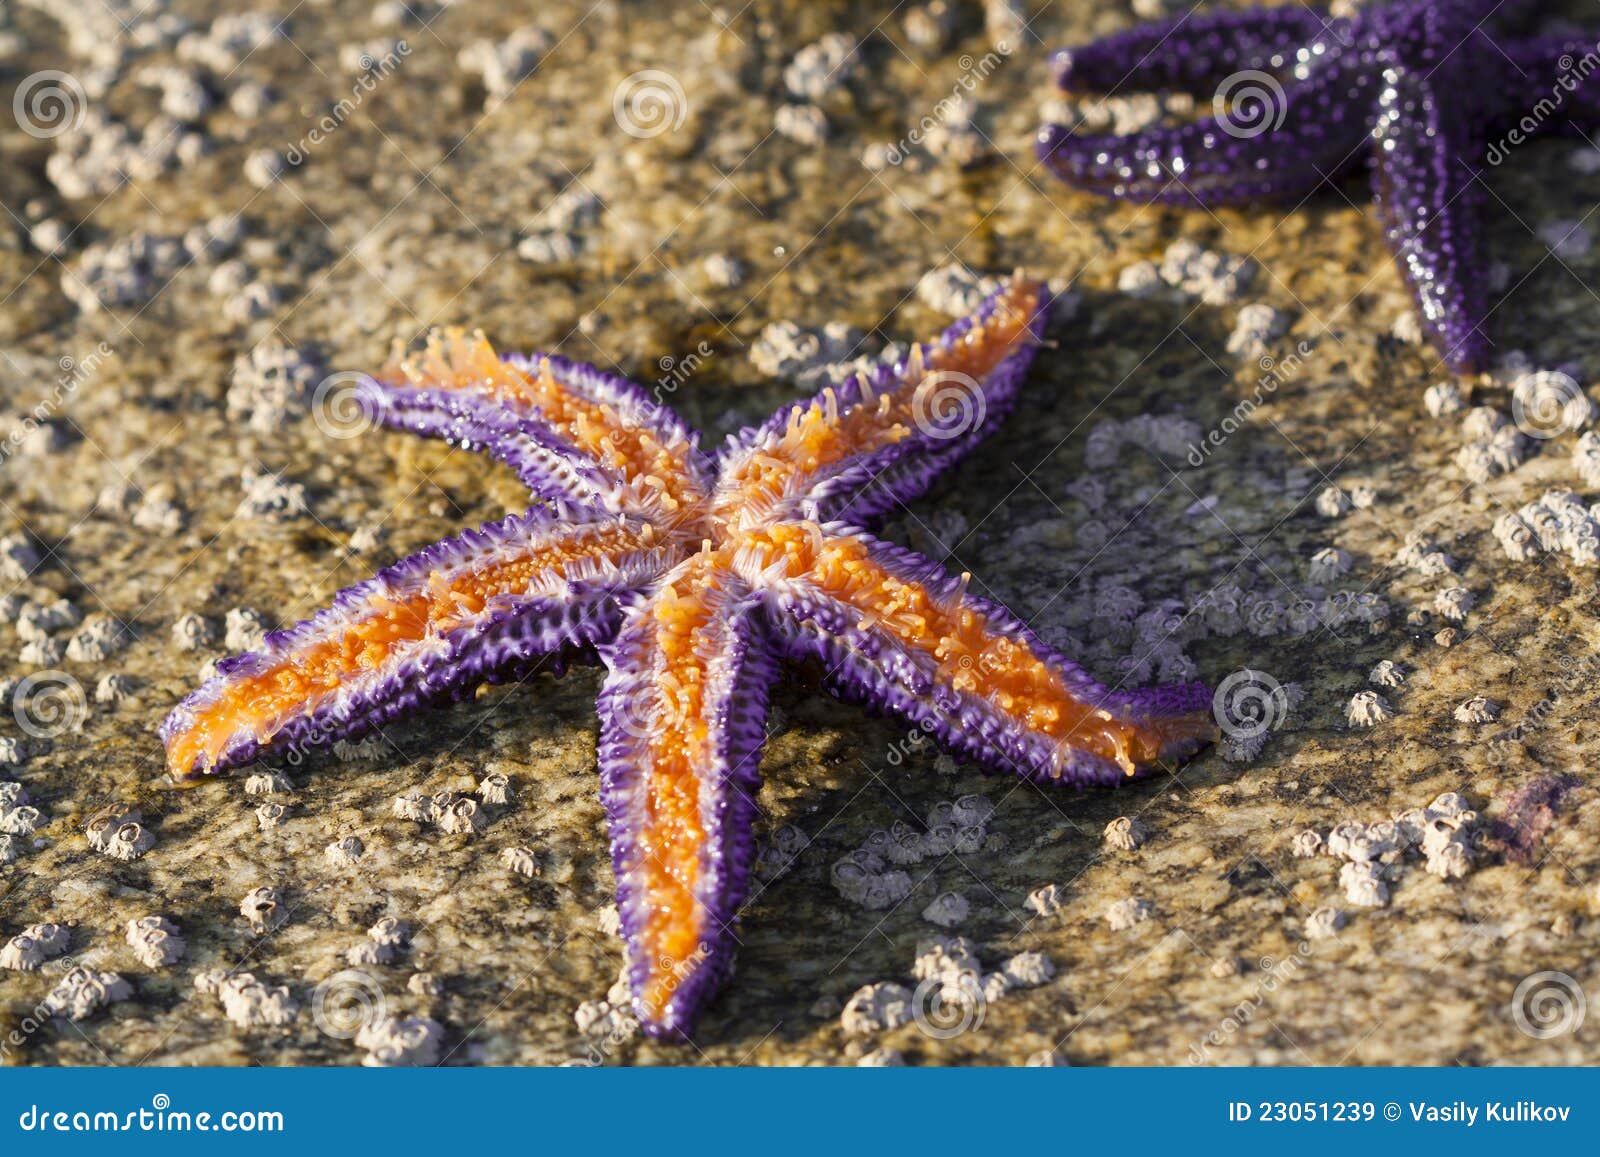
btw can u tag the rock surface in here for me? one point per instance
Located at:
(222, 230)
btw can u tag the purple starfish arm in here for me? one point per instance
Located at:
(1417, 87)
(682, 722)
(1283, 142)
(629, 406)
(893, 630)
(951, 413)
(876, 440)
(1193, 52)
(1428, 162)
(474, 608)
(546, 464)
(578, 431)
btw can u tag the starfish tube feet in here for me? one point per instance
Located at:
(428, 628)
(863, 447)
(682, 720)
(892, 627)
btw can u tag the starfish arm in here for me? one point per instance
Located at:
(1430, 200)
(473, 608)
(879, 439)
(649, 462)
(1296, 139)
(682, 722)
(546, 464)
(1192, 53)
(896, 632)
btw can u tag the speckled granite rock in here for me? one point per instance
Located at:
(609, 182)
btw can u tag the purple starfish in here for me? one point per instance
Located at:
(1428, 91)
(694, 576)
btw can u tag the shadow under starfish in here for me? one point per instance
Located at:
(1420, 89)
(694, 576)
